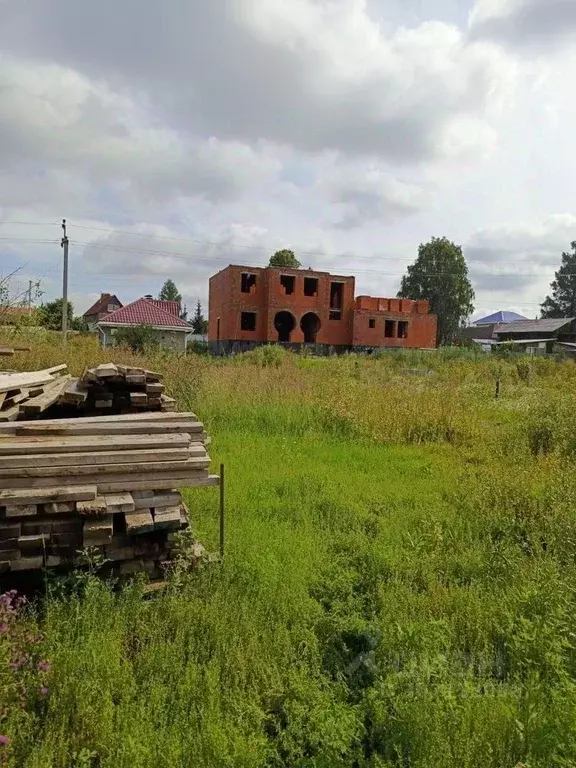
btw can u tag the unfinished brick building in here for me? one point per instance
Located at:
(249, 306)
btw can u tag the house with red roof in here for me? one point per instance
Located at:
(103, 306)
(162, 316)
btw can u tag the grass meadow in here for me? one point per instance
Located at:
(398, 590)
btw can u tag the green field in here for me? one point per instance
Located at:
(398, 588)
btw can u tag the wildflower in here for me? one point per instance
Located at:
(15, 665)
(44, 666)
(4, 740)
(3, 627)
(43, 691)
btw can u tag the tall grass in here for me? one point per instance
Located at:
(398, 588)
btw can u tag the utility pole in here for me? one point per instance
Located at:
(29, 297)
(64, 245)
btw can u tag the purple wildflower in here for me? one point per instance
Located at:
(15, 665)
(44, 666)
(4, 740)
(3, 627)
(43, 691)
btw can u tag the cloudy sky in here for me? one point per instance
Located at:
(177, 136)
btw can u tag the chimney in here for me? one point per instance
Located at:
(148, 296)
(104, 296)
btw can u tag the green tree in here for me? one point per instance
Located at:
(284, 258)
(199, 322)
(562, 302)
(169, 292)
(440, 274)
(50, 315)
(138, 337)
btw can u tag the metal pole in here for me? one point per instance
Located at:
(221, 511)
(64, 245)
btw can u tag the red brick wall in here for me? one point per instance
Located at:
(421, 328)
(268, 297)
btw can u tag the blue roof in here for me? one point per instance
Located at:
(500, 317)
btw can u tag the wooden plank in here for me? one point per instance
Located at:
(10, 415)
(59, 507)
(48, 397)
(139, 522)
(10, 530)
(14, 399)
(153, 376)
(106, 370)
(152, 417)
(6, 351)
(22, 461)
(75, 392)
(138, 398)
(96, 506)
(45, 494)
(158, 500)
(167, 519)
(78, 444)
(98, 527)
(27, 564)
(155, 389)
(136, 379)
(108, 428)
(194, 480)
(60, 473)
(33, 541)
(119, 502)
(28, 379)
(20, 510)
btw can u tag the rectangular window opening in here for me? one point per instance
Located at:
(371, 323)
(248, 321)
(310, 286)
(336, 294)
(402, 329)
(389, 329)
(288, 282)
(335, 314)
(248, 282)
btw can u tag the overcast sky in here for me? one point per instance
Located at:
(177, 136)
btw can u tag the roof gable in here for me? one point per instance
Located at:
(500, 317)
(101, 304)
(144, 312)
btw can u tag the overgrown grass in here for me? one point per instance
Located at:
(398, 588)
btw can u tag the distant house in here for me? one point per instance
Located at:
(106, 304)
(162, 316)
(538, 336)
(483, 331)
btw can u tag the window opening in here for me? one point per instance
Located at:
(288, 282)
(310, 286)
(248, 282)
(248, 321)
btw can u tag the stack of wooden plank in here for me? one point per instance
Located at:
(104, 482)
(30, 392)
(108, 388)
(119, 388)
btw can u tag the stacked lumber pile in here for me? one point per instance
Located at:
(108, 388)
(33, 390)
(108, 483)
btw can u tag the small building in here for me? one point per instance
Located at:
(249, 306)
(162, 316)
(106, 304)
(538, 336)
